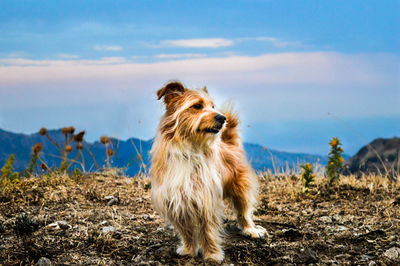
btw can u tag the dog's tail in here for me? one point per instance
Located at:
(230, 133)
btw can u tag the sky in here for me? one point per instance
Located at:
(298, 72)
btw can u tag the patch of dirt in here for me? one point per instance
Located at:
(353, 224)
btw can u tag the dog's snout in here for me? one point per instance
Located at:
(220, 118)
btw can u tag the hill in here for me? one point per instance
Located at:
(380, 156)
(131, 153)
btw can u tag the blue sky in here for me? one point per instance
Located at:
(284, 64)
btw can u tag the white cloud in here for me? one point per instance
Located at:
(178, 56)
(113, 48)
(68, 56)
(199, 43)
(276, 42)
(57, 63)
(305, 83)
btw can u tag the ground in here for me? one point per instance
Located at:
(70, 220)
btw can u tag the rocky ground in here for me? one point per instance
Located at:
(104, 219)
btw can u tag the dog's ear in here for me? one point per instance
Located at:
(171, 90)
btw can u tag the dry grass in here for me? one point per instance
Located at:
(355, 223)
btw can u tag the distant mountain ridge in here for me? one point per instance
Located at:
(130, 153)
(380, 156)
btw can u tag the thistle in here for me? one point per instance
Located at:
(109, 152)
(335, 162)
(104, 140)
(36, 149)
(79, 137)
(307, 177)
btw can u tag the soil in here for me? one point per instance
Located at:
(70, 220)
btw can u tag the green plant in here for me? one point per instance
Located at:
(7, 171)
(307, 176)
(335, 161)
(25, 226)
(37, 148)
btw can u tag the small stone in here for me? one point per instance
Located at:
(63, 225)
(325, 219)
(392, 253)
(366, 257)
(53, 226)
(103, 223)
(290, 233)
(43, 261)
(341, 228)
(372, 263)
(110, 197)
(112, 201)
(109, 229)
(309, 256)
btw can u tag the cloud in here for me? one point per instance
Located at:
(54, 63)
(68, 56)
(300, 83)
(178, 56)
(278, 43)
(199, 43)
(113, 48)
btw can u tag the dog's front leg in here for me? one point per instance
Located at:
(210, 237)
(188, 244)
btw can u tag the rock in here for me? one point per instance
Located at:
(372, 263)
(103, 222)
(110, 197)
(309, 256)
(290, 233)
(341, 228)
(325, 219)
(43, 261)
(109, 229)
(112, 201)
(392, 253)
(340, 219)
(64, 225)
(59, 225)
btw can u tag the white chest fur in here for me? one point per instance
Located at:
(191, 182)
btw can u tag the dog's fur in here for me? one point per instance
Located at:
(197, 161)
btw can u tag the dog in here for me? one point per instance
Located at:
(197, 162)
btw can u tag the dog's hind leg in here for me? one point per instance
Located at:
(241, 189)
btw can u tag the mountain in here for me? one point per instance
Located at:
(131, 153)
(380, 156)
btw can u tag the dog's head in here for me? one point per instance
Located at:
(190, 114)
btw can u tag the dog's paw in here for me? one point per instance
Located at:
(255, 232)
(216, 257)
(183, 251)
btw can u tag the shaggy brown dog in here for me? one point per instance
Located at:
(197, 161)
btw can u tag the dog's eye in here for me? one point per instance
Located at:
(197, 106)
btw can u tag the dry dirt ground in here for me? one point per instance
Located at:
(70, 220)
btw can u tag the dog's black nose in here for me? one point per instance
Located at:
(220, 118)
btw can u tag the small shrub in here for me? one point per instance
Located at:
(307, 177)
(25, 226)
(335, 161)
(7, 171)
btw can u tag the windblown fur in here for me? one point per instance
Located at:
(197, 161)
